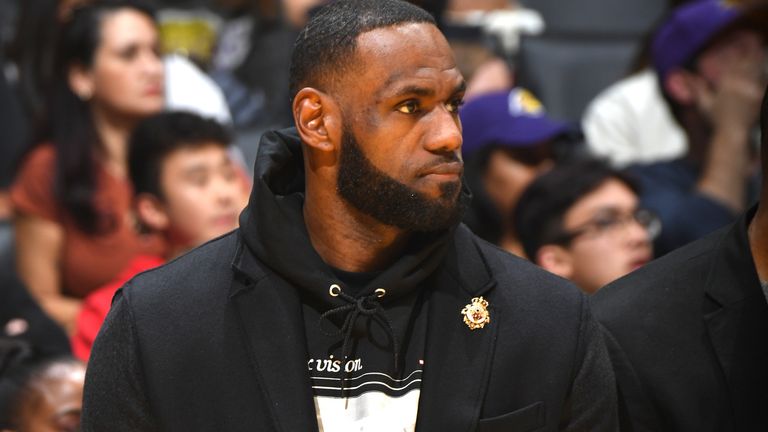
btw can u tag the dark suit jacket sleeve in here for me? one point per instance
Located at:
(115, 395)
(592, 403)
(635, 410)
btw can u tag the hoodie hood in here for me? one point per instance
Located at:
(274, 231)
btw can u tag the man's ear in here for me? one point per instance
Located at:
(81, 82)
(679, 85)
(555, 259)
(151, 212)
(318, 119)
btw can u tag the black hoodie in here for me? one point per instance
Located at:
(365, 332)
(218, 339)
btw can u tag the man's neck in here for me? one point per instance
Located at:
(758, 243)
(349, 240)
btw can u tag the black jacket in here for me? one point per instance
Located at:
(215, 340)
(688, 336)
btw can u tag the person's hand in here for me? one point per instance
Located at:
(732, 105)
(734, 101)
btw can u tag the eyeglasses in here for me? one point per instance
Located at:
(611, 224)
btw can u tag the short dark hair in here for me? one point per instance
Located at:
(325, 48)
(539, 214)
(22, 384)
(158, 136)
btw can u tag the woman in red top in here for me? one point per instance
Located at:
(72, 198)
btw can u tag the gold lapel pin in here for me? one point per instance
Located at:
(476, 314)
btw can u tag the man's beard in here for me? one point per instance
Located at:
(391, 202)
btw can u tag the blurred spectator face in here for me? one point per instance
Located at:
(126, 77)
(607, 240)
(742, 48)
(297, 11)
(202, 196)
(486, 5)
(733, 61)
(508, 142)
(54, 401)
(510, 171)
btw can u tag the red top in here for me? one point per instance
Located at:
(97, 304)
(88, 261)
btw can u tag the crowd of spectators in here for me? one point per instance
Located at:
(130, 129)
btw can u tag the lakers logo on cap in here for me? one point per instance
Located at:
(523, 102)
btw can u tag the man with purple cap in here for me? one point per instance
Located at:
(508, 141)
(710, 60)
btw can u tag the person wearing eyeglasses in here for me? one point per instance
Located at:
(688, 333)
(582, 221)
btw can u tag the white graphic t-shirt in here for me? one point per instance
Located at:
(368, 392)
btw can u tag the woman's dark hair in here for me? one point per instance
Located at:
(70, 124)
(32, 50)
(539, 214)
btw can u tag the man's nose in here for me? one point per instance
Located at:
(225, 191)
(636, 233)
(445, 132)
(153, 65)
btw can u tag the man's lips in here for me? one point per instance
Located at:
(153, 90)
(448, 169)
(639, 262)
(226, 219)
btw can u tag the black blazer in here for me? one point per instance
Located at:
(198, 345)
(688, 336)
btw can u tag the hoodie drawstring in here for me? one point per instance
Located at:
(367, 306)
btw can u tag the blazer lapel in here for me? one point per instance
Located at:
(457, 359)
(270, 314)
(737, 323)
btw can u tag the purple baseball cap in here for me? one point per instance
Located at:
(688, 30)
(511, 118)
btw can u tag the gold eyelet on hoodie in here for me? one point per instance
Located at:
(334, 290)
(380, 292)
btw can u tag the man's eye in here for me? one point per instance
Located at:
(409, 107)
(129, 53)
(198, 180)
(229, 173)
(453, 106)
(606, 222)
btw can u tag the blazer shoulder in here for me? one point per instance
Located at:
(520, 280)
(192, 274)
(663, 286)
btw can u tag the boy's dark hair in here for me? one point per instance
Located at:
(158, 136)
(539, 214)
(325, 48)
